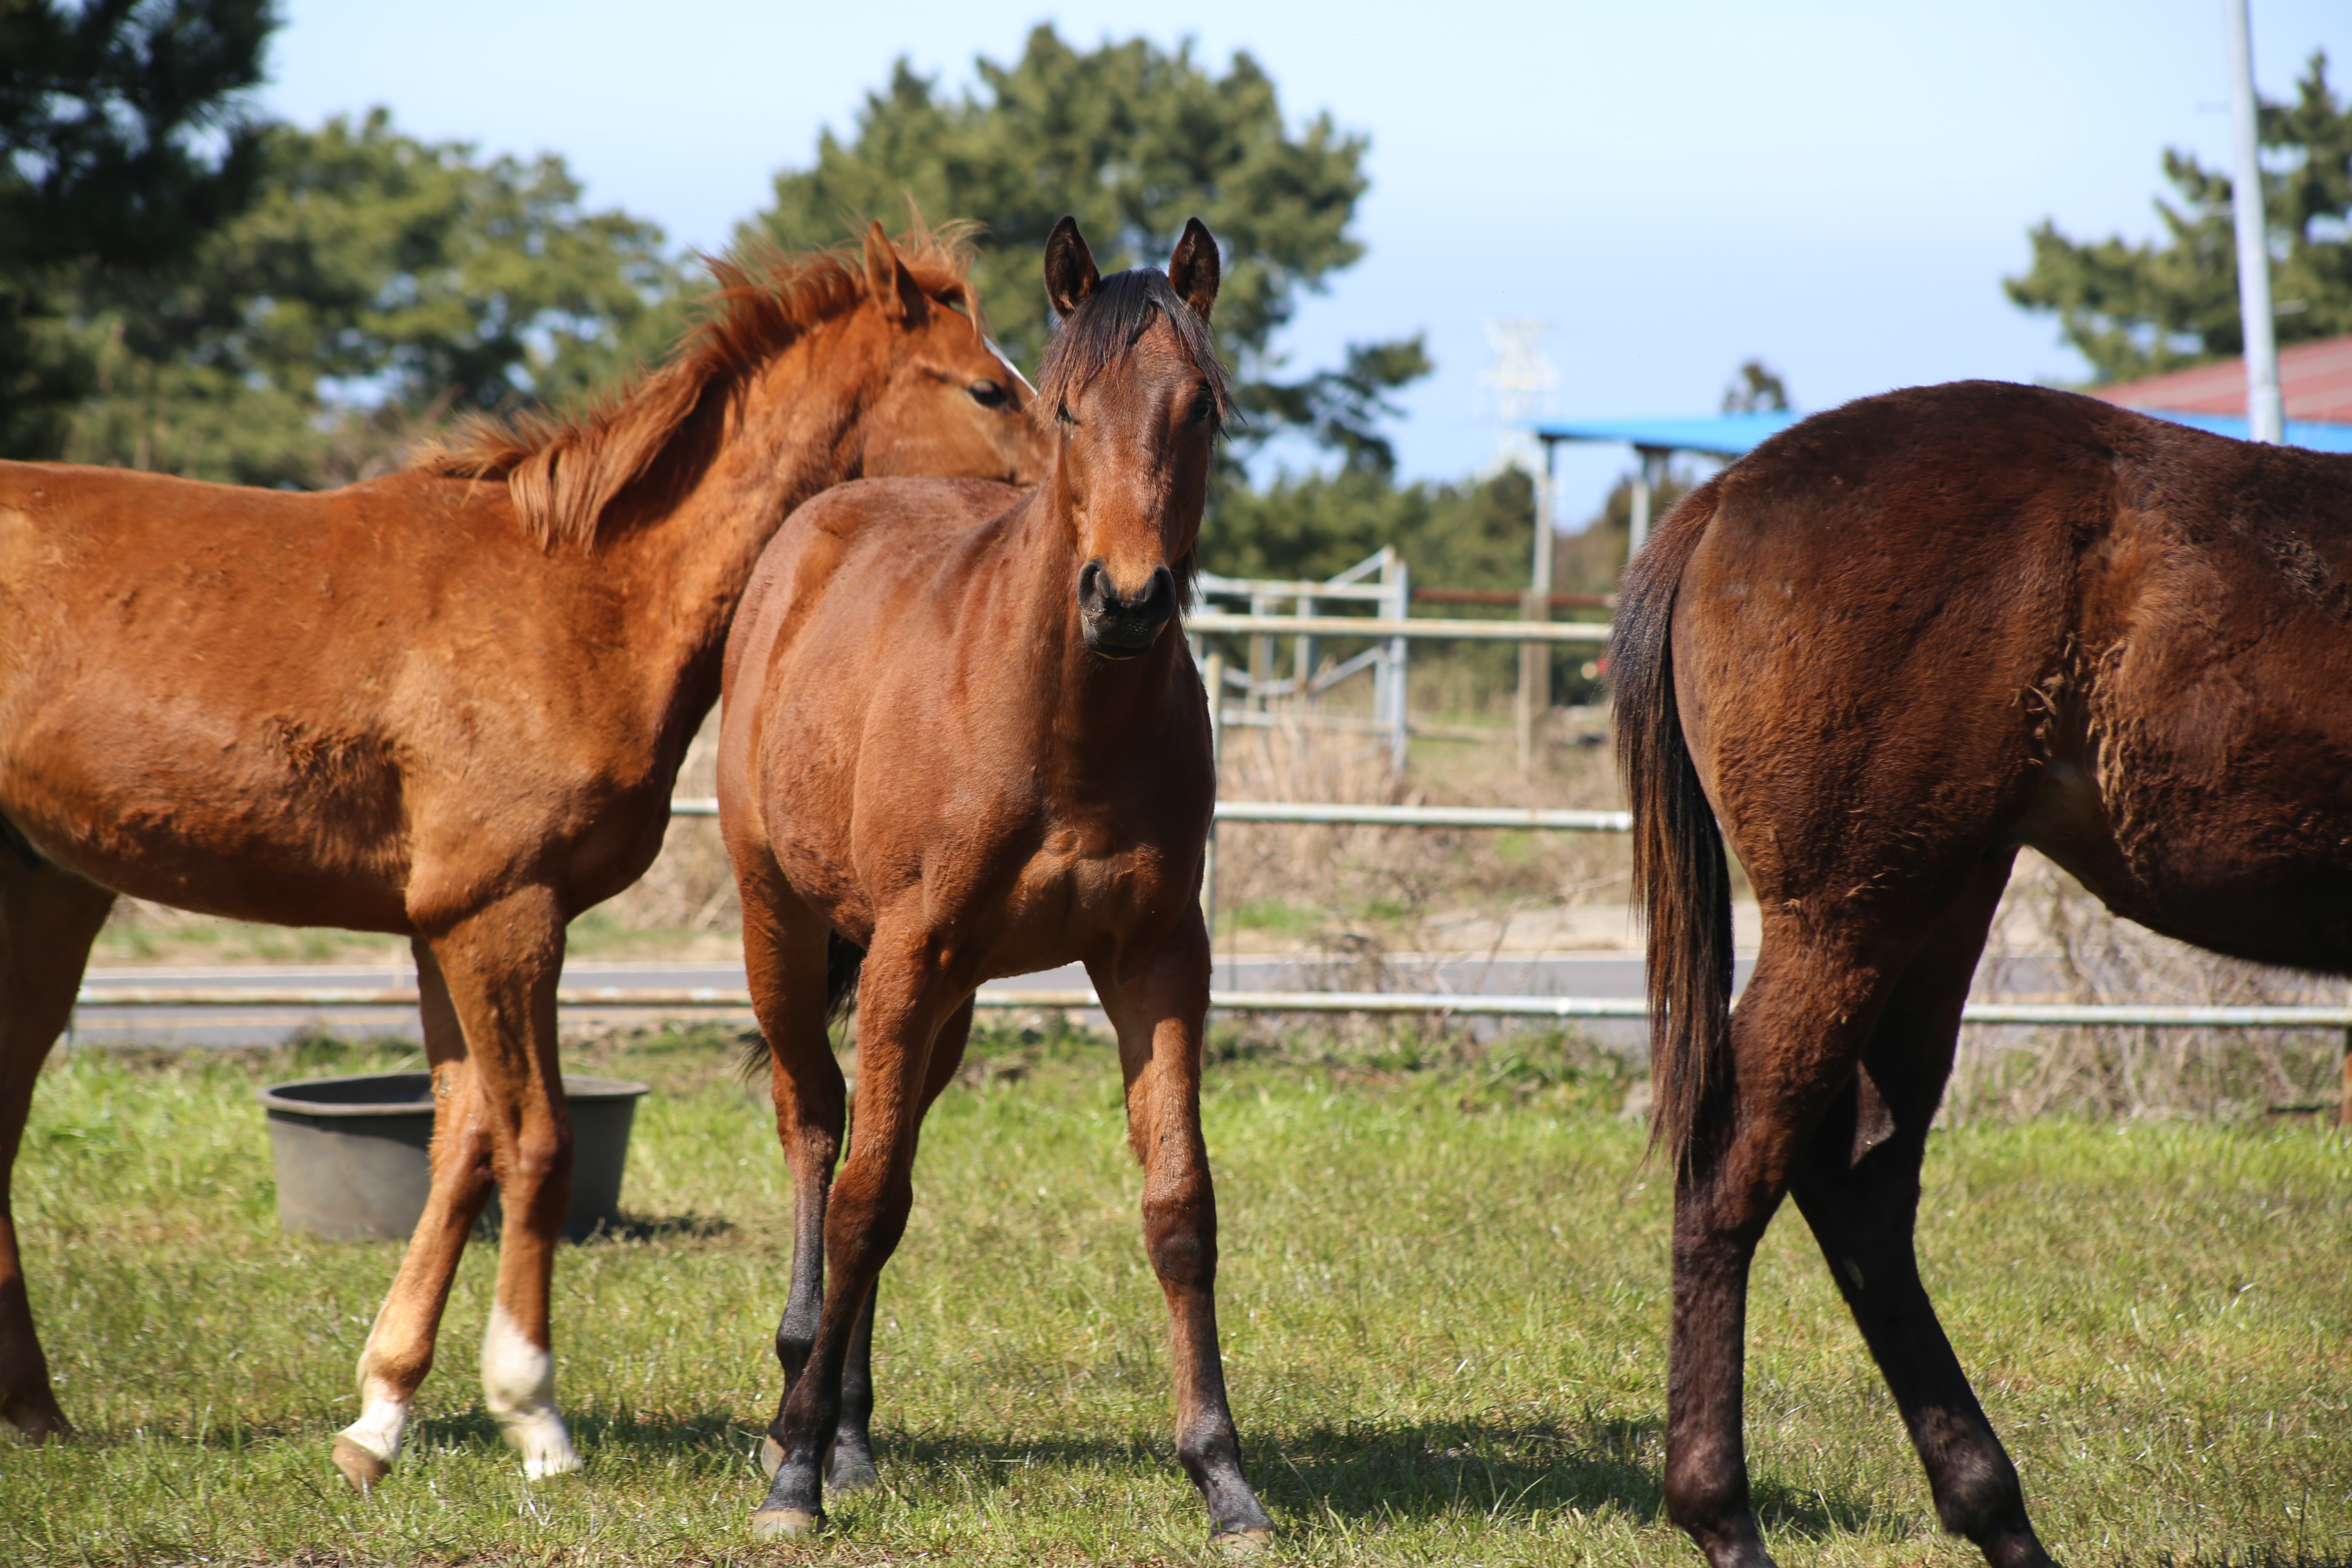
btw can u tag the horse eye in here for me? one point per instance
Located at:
(1204, 409)
(987, 393)
(1062, 413)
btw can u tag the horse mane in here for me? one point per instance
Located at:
(1096, 336)
(563, 472)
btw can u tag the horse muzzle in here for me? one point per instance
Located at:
(1116, 626)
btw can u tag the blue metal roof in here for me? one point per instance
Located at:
(1718, 435)
(2319, 437)
(1731, 435)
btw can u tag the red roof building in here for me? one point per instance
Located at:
(2314, 379)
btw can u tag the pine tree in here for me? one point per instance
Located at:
(2141, 309)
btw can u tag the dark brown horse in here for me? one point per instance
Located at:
(964, 733)
(450, 704)
(1883, 651)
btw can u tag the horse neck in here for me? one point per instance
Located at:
(778, 432)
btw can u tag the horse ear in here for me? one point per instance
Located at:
(887, 281)
(1070, 274)
(1194, 271)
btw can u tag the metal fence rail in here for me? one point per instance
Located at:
(1427, 628)
(703, 998)
(1342, 815)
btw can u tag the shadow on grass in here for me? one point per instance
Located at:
(1420, 1470)
(1428, 1469)
(662, 1227)
(687, 1227)
(1515, 1470)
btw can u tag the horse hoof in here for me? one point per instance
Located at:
(365, 1470)
(35, 1421)
(785, 1524)
(772, 1456)
(851, 1475)
(1242, 1543)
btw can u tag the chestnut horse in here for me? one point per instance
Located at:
(1017, 776)
(1888, 647)
(448, 704)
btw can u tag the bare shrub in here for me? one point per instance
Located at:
(1341, 889)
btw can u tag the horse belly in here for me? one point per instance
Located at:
(2236, 866)
(278, 820)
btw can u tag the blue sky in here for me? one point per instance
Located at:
(1837, 188)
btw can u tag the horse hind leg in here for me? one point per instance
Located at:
(901, 1014)
(1796, 1035)
(1857, 1185)
(48, 918)
(785, 953)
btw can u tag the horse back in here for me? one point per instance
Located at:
(219, 697)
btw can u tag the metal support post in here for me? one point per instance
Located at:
(2344, 1105)
(1307, 652)
(1261, 663)
(1649, 472)
(1534, 658)
(1534, 679)
(2265, 410)
(1396, 606)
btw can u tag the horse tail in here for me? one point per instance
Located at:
(1680, 875)
(844, 959)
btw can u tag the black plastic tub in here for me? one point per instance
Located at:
(350, 1154)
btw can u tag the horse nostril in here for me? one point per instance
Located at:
(1090, 587)
(1161, 598)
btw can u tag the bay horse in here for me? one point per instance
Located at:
(450, 703)
(1877, 655)
(963, 738)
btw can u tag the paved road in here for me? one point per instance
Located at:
(1608, 974)
(1595, 975)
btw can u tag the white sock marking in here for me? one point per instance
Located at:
(383, 1420)
(384, 1412)
(519, 1385)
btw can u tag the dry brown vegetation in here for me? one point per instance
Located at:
(2064, 946)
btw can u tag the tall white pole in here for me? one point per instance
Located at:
(2264, 410)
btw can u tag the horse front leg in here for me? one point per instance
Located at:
(784, 958)
(900, 1009)
(1160, 1012)
(852, 1467)
(500, 967)
(399, 1349)
(48, 918)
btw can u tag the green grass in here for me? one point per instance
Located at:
(1444, 1293)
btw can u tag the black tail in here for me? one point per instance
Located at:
(842, 960)
(1680, 874)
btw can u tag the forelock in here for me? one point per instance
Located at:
(1098, 334)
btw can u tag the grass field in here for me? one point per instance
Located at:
(1444, 1295)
